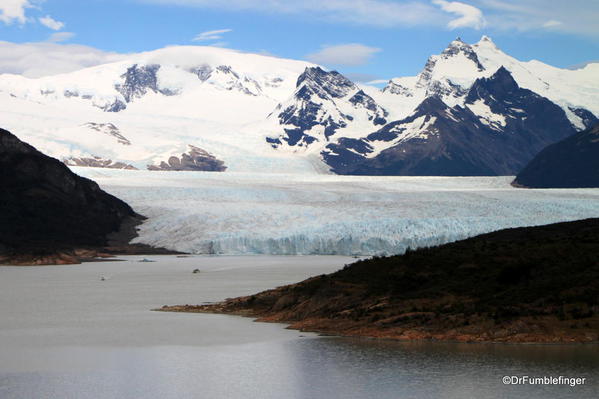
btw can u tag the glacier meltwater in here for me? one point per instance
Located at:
(286, 214)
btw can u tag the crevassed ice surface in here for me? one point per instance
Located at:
(285, 214)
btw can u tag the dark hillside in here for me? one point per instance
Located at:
(534, 284)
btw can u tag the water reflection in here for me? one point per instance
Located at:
(64, 334)
(357, 368)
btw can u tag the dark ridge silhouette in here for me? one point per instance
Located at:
(570, 163)
(45, 208)
(532, 284)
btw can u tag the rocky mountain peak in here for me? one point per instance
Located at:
(486, 41)
(323, 103)
(501, 83)
(138, 80)
(457, 57)
(333, 83)
(430, 106)
(457, 47)
(397, 88)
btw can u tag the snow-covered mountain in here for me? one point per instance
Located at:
(205, 108)
(168, 103)
(473, 110)
(324, 104)
(450, 74)
(497, 130)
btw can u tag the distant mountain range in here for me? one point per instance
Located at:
(473, 110)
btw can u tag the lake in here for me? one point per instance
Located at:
(66, 333)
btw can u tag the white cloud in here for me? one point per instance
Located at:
(43, 59)
(378, 82)
(351, 54)
(51, 23)
(552, 23)
(468, 16)
(60, 37)
(518, 15)
(575, 16)
(13, 11)
(364, 12)
(211, 35)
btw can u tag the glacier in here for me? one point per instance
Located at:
(242, 213)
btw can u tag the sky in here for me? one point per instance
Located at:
(368, 40)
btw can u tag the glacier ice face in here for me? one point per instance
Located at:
(284, 214)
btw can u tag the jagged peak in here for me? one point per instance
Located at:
(486, 41)
(430, 105)
(457, 47)
(311, 73)
(503, 73)
(334, 83)
(501, 82)
(457, 42)
(502, 76)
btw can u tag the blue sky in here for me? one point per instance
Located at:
(375, 39)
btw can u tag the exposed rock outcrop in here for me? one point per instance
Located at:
(196, 159)
(140, 79)
(108, 129)
(97, 162)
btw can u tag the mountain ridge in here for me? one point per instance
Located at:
(498, 130)
(253, 112)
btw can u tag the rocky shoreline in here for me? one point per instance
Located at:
(526, 285)
(118, 243)
(81, 255)
(531, 331)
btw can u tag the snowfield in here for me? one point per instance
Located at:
(228, 103)
(300, 214)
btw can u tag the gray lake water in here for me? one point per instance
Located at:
(64, 333)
